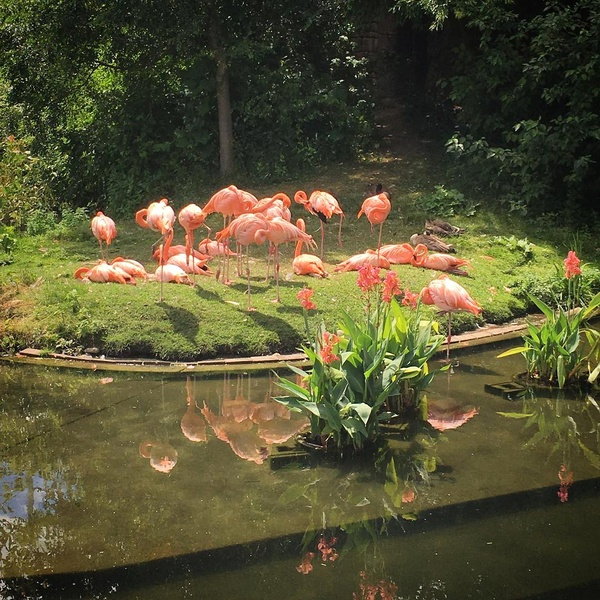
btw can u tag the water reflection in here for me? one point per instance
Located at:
(193, 425)
(250, 427)
(231, 520)
(565, 426)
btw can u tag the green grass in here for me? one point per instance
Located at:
(44, 306)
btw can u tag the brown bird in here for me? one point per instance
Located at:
(432, 242)
(443, 228)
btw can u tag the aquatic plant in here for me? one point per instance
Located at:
(563, 348)
(368, 370)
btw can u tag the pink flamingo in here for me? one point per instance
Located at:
(248, 228)
(438, 261)
(104, 230)
(376, 208)
(231, 202)
(190, 218)
(104, 273)
(356, 262)
(133, 267)
(159, 216)
(323, 205)
(307, 264)
(448, 296)
(397, 254)
(279, 232)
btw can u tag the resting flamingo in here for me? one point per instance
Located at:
(448, 296)
(357, 261)
(307, 264)
(104, 273)
(246, 229)
(438, 261)
(133, 267)
(323, 205)
(104, 230)
(397, 254)
(180, 249)
(194, 267)
(171, 274)
(376, 208)
(279, 232)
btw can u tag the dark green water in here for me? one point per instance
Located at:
(147, 488)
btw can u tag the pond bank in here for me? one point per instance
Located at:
(485, 335)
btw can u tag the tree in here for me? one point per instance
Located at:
(131, 100)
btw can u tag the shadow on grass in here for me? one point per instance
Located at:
(183, 321)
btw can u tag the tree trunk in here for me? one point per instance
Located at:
(223, 104)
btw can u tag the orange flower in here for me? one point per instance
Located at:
(572, 265)
(304, 295)
(368, 278)
(410, 298)
(329, 341)
(391, 287)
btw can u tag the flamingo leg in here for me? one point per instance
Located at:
(248, 277)
(379, 240)
(340, 232)
(322, 239)
(449, 336)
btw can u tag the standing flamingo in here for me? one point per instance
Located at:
(307, 264)
(246, 229)
(159, 216)
(324, 206)
(376, 208)
(279, 232)
(231, 202)
(190, 218)
(104, 230)
(448, 296)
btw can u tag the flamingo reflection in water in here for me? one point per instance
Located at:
(447, 414)
(163, 457)
(249, 427)
(193, 424)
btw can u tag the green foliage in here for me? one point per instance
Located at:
(529, 119)
(446, 203)
(125, 109)
(382, 368)
(23, 187)
(562, 348)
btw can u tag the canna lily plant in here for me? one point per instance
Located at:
(369, 370)
(563, 349)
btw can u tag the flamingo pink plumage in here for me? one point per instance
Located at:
(357, 261)
(246, 229)
(279, 232)
(448, 296)
(130, 266)
(104, 273)
(376, 208)
(307, 264)
(104, 230)
(324, 205)
(438, 261)
(397, 254)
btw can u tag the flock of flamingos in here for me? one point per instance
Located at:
(248, 221)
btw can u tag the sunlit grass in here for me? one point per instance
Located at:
(51, 309)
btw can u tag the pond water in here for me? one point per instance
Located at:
(120, 485)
